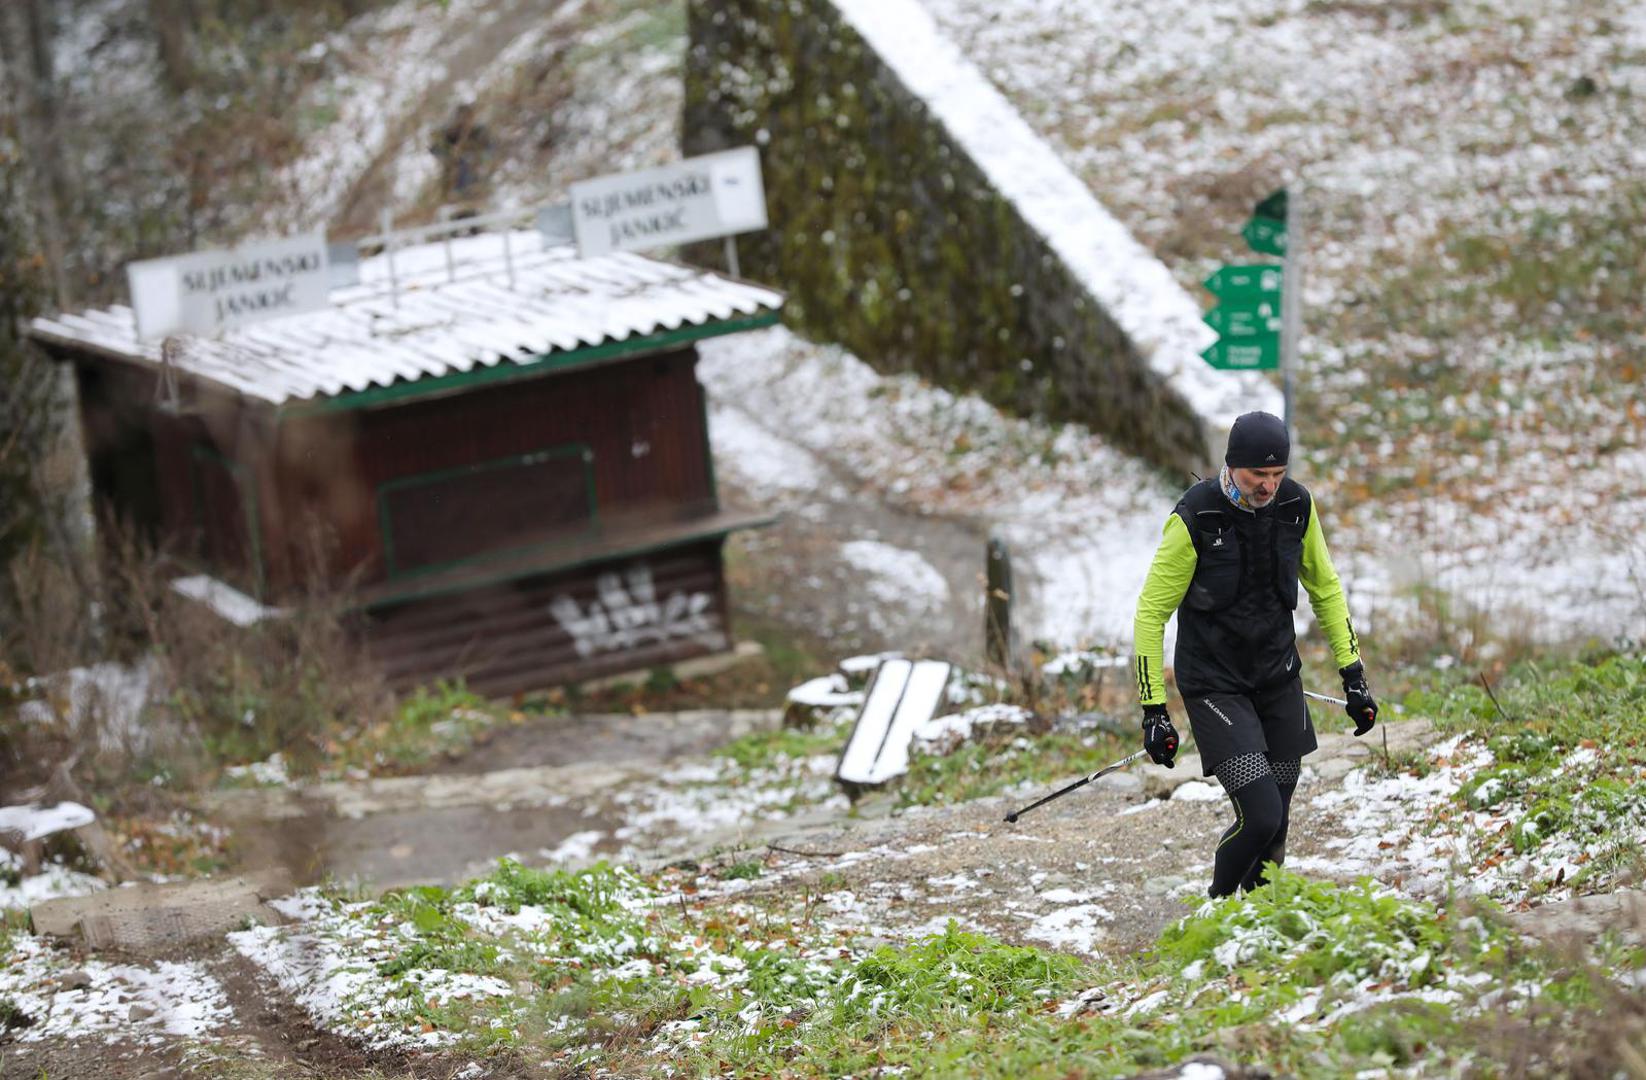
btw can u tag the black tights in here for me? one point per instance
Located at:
(1262, 806)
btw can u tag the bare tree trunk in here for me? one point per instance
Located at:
(25, 64)
(172, 20)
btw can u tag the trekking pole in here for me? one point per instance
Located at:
(1397, 709)
(1082, 782)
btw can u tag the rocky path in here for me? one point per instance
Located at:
(1099, 871)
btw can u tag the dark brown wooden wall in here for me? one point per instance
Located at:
(642, 419)
(197, 481)
(507, 637)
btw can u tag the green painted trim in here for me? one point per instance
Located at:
(531, 457)
(252, 507)
(612, 555)
(508, 371)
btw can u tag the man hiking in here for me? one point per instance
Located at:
(1231, 557)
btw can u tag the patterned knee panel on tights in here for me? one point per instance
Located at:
(1237, 772)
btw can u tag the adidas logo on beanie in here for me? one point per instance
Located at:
(1258, 440)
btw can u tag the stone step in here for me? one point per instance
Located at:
(148, 917)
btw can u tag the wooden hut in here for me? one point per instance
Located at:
(501, 450)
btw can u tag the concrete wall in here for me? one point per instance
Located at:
(894, 232)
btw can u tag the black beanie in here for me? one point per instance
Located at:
(1258, 440)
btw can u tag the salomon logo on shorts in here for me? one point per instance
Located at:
(1220, 713)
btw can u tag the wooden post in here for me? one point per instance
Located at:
(997, 607)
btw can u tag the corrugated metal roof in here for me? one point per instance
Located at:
(430, 326)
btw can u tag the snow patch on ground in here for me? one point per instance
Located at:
(270, 772)
(53, 882)
(690, 801)
(767, 466)
(898, 576)
(576, 848)
(1471, 461)
(107, 698)
(1418, 831)
(1072, 929)
(127, 1001)
(37, 822)
(328, 965)
(1081, 518)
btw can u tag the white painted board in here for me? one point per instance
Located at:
(875, 719)
(903, 696)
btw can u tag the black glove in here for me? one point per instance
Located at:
(1362, 707)
(1159, 736)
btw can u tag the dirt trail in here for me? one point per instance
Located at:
(1100, 871)
(464, 60)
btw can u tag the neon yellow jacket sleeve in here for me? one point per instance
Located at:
(1169, 576)
(1319, 578)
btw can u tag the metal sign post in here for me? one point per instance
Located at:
(1291, 309)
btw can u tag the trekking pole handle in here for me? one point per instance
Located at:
(1396, 709)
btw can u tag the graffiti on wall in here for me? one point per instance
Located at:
(626, 613)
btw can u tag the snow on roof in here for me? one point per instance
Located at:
(375, 335)
(1134, 287)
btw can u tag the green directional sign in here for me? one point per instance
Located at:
(1237, 321)
(1273, 207)
(1257, 354)
(1266, 236)
(1265, 233)
(1258, 282)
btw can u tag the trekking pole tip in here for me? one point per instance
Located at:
(1011, 819)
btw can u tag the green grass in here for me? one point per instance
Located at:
(747, 870)
(955, 970)
(1310, 978)
(781, 746)
(962, 1004)
(1568, 746)
(996, 762)
(442, 719)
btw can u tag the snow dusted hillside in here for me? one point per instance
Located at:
(1470, 401)
(1473, 349)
